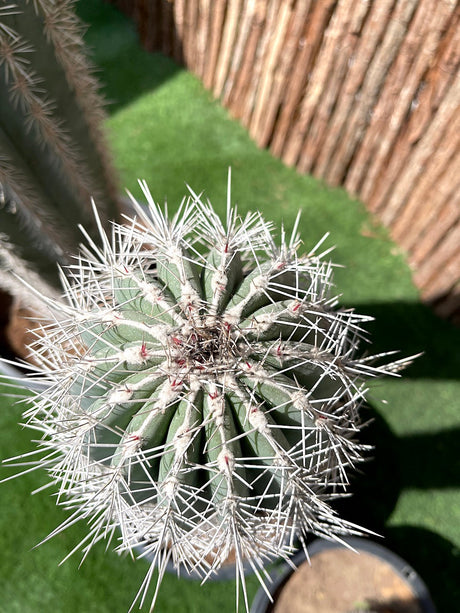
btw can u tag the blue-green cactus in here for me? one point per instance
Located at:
(203, 390)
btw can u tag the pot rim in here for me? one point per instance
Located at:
(281, 573)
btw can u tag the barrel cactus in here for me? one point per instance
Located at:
(202, 390)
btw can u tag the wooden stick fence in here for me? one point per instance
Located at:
(364, 94)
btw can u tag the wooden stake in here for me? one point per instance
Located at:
(433, 188)
(358, 121)
(422, 151)
(432, 91)
(398, 94)
(372, 31)
(179, 20)
(244, 24)
(167, 28)
(269, 33)
(446, 218)
(314, 34)
(258, 101)
(314, 114)
(214, 42)
(284, 77)
(228, 41)
(246, 73)
(445, 258)
(189, 40)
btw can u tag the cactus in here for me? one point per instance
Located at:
(52, 151)
(203, 391)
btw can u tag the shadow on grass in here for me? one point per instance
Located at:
(376, 484)
(434, 558)
(128, 71)
(399, 463)
(414, 328)
(430, 461)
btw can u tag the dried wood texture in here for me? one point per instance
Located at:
(267, 87)
(397, 95)
(362, 94)
(178, 11)
(316, 24)
(289, 77)
(336, 56)
(217, 16)
(147, 16)
(228, 37)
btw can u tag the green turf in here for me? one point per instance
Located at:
(165, 128)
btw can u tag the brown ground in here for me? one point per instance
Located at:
(342, 581)
(15, 323)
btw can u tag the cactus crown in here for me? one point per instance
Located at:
(203, 390)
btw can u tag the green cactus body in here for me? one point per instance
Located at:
(205, 389)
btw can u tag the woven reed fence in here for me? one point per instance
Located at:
(360, 93)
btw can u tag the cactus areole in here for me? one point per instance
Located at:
(203, 390)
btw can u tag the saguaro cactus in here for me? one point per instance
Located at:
(52, 151)
(203, 390)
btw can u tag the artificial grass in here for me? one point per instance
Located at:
(165, 128)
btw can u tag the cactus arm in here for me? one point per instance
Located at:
(52, 156)
(251, 295)
(149, 425)
(273, 321)
(326, 432)
(89, 385)
(318, 371)
(116, 362)
(41, 36)
(287, 402)
(270, 282)
(27, 192)
(266, 441)
(288, 405)
(176, 267)
(292, 320)
(20, 216)
(85, 112)
(113, 328)
(49, 157)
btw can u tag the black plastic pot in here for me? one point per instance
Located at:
(281, 573)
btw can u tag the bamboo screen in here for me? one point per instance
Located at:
(360, 93)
